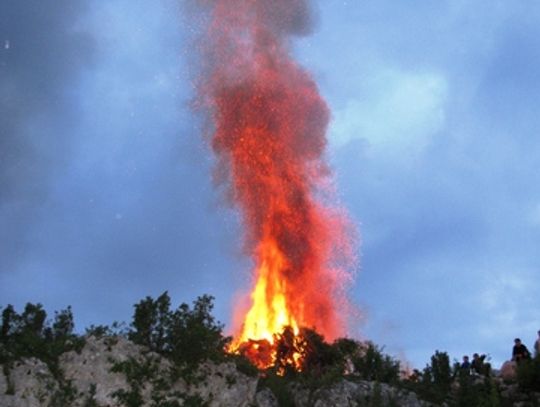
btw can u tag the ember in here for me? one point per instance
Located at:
(269, 125)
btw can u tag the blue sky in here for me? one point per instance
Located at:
(105, 182)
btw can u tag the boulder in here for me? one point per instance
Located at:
(508, 371)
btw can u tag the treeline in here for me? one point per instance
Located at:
(188, 335)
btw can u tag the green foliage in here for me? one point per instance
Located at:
(243, 365)
(10, 390)
(370, 363)
(30, 335)
(376, 396)
(189, 335)
(194, 334)
(64, 396)
(131, 398)
(279, 386)
(476, 391)
(441, 372)
(137, 374)
(434, 382)
(90, 399)
(194, 401)
(135, 371)
(99, 331)
(528, 374)
(186, 335)
(151, 322)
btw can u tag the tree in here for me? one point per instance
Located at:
(195, 335)
(372, 364)
(30, 335)
(151, 322)
(186, 335)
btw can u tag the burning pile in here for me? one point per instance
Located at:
(269, 125)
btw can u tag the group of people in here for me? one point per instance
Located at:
(519, 354)
(477, 366)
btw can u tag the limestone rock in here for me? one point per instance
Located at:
(224, 386)
(91, 368)
(357, 393)
(31, 383)
(90, 373)
(265, 398)
(3, 381)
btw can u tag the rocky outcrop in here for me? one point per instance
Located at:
(223, 385)
(29, 383)
(356, 393)
(109, 370)
(113, 371)
(265, 398)
(90, 370)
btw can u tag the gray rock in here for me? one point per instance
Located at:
(3, 381)
(224, 386)
(92, 367)
(265, 398)
(221, 385)
(356, 393)
(32, 383)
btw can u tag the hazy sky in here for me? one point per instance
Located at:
(105, 182)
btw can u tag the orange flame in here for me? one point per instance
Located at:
(269, 136)
(270, 312)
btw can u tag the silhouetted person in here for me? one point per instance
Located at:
(465, 365)
(537, 346)
(520, 351)
(477, 364)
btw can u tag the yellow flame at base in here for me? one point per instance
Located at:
(269, 313)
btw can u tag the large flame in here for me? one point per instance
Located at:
(269, 125)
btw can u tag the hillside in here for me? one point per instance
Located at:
(171, 358)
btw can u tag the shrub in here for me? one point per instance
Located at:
(30, 335)
(528, 374)
(434, 382)
(186, 335)
(370, 363)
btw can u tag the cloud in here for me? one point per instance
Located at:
(399, 112)
(126, 208)
(46, 53)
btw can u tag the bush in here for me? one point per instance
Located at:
(370, 363)
(434, 382)
(30, 335)
(187, 335)
(528, 374)
(151, 323)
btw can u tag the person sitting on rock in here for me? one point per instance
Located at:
(537, 346)
(520, 351)
(477, 364)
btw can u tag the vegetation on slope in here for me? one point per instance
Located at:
(190, 335)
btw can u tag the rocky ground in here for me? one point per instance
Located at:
(113, 371)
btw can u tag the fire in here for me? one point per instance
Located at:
(269, 126)
(270, 312)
